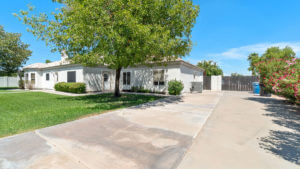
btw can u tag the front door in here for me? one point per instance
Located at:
(106, 81)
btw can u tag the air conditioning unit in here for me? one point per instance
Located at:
(197, 87)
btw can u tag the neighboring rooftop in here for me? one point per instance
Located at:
(46, 65)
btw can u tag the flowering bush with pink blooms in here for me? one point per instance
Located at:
(280, 75)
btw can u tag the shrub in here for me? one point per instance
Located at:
(29, 85)
(70, 87)
(285, 80)
(21, 84)
(139, 89)
(134, 89)
(175, 87)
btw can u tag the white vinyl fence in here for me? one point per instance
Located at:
(216, 83)
(6, 81)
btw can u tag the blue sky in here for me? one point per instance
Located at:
(226, 30)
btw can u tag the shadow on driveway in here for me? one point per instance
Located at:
(285, 144)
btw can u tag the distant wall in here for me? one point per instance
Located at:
(9, 81)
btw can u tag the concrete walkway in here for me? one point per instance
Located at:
(91, 93)
(65, 93)
(150, 136)
(248, 132)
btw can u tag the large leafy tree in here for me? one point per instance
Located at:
(211, 68)
(117, 33)
(13, 52)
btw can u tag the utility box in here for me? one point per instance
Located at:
(197, 87)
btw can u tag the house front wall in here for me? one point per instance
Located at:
(58, 74)
(93, 77)
(143, 77)
(189, 75)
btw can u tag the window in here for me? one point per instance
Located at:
(126, 78)
(32, 76)
(71, 76)
(26, 77)
(47, 76)
(158, 77)
(105, 77)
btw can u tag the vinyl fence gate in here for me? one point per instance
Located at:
(238, 83)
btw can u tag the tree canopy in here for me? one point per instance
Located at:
(13, 52)
(117, 33)
(272, 56)
(211, 68)
(279, 72)
(236, 74)
(253, 59)
(47, 61)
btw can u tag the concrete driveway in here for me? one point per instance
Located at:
(247, 132)
(151, 136)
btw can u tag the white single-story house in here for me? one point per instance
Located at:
(101, 78)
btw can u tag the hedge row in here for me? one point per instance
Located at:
(70, 87)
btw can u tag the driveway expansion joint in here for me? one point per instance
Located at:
(56, 147)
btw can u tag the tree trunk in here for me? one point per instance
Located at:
(117, 82)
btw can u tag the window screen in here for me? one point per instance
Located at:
(47, 76)
(72, 76)
(159, 77)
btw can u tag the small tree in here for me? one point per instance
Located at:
(236, 74)
(13, 52)
(253, 59)
(211, 68)
(47, 61)
(117, 33)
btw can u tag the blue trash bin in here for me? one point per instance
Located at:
(256, 88)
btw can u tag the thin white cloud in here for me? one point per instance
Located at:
(244, 51)
(235, 59)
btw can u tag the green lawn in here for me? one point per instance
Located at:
(20, 112)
